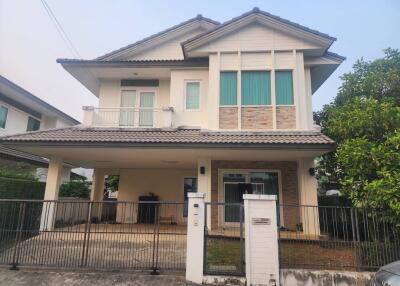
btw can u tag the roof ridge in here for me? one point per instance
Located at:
(257, 10)
(198, 17)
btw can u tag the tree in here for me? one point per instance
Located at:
(75, 189)
(364, 120)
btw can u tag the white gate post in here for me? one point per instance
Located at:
(261, 240)
(195, 238)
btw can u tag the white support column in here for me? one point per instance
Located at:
(261, 240)
(97, 192)
(195, 238)
(204, 181)
(53, 182)
(308, 197)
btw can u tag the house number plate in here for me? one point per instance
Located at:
(261, 221)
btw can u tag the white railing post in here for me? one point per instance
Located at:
(166, 118)
(261, 240)
(88, 113)
(195, 238)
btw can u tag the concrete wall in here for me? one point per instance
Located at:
(300, 277)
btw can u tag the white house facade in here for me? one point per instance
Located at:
(202, 106)
(20, 112)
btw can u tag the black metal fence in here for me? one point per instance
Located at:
(338, 238)
(224, 249)
(109, 234)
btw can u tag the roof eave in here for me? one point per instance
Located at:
(252, 146)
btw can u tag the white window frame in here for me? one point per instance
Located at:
(40, 122)
(185, 94)
(139, 90)
(8, 111)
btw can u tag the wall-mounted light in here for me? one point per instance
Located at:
(311, 171)
(202, 170)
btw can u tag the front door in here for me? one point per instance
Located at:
(235, 184)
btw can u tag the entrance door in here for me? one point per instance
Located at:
(236, 184)
(146, 109)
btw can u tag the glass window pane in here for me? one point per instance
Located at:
(284, 87)
(3, 116)
(192, 95)
(128, 100)
(189, 186)
(256, 88)
(265, 183)
(33, 124)
(146, 109)
(228, 88)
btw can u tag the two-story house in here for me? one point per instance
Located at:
(202, 106)
(20, 112)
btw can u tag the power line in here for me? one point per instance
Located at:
(60, 30)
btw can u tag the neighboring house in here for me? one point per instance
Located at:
(20, 112)
(217, 108)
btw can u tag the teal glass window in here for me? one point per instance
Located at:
(33, 124)
(193, 95)
(256, 88)
(3, 116)
(228, 88)
(284, 87)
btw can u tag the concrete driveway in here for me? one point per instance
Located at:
(46, 277)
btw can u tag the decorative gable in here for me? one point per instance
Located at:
(255, 37)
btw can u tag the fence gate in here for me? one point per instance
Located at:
(95, 235)
(224, 248)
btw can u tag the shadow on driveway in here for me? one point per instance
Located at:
(48, 277)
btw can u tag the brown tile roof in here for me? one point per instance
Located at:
(85, 135)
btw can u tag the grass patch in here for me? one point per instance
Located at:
(223, 252)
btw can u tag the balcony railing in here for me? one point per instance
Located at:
(128, 117)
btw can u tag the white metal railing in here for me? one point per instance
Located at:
(129, 117)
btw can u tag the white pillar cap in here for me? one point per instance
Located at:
(259, 197)
(197, 195)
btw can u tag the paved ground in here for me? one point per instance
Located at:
(45, 277)
(118, 246)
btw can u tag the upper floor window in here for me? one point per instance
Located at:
(228, 88)
(33, 124)
(192, 98)
(284, 87)
(256, 88)
(3, 116)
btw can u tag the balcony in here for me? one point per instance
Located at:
(127, 117)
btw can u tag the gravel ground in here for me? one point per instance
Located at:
(41, 277)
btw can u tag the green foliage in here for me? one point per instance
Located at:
(378, 79)
(11, 188)
(17, 172)
(75, 189)
(364, 120)
(112, 182)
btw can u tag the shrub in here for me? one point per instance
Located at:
(12, 188)
(76, 189)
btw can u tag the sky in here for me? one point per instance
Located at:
(30, 43)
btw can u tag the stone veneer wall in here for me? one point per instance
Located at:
(259, 117)
(286, 117)
(289, 181)
(228, 118)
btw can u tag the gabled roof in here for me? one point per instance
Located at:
(10, 90)
(86, 136)
(198, 18)
(257, 12)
